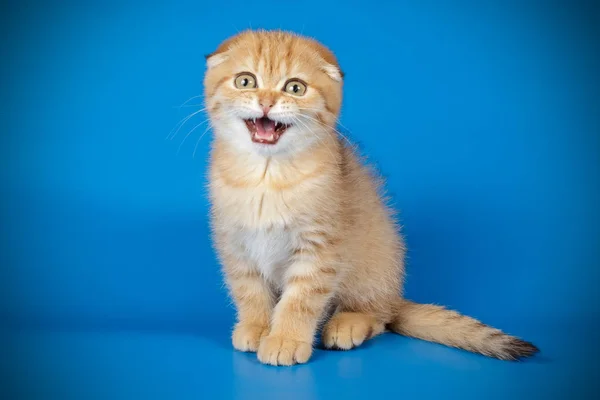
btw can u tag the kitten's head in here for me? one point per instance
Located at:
(272, 92)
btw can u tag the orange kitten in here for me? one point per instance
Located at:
(298, 222)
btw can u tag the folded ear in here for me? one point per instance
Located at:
(214, 59)
(330, 63)
(220, 54)
(333, 71)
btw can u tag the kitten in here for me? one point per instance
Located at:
(298, 221)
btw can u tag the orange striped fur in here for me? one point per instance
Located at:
(301, 227)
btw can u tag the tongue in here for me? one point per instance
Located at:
(265, 128)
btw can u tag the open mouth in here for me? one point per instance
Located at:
(264, 130)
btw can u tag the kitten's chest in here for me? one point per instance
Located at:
(269, 250)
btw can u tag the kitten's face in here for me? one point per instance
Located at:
(272, 92)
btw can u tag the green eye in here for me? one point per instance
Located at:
(245, 81)
(295, 87)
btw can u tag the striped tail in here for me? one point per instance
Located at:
(440, 325)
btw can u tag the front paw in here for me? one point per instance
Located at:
(277, 350)
(246, 337)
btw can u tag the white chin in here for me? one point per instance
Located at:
(292, 141)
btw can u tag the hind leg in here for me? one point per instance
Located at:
(346, 330)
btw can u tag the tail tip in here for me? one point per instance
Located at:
(517, 349)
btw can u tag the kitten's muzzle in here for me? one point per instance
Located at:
(264, 130)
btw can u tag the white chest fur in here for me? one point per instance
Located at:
(259, 226)
(268, 249)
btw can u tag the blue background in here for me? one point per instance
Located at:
(483, 117)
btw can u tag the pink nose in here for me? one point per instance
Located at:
(266, 108)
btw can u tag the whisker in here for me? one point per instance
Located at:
(187, 105)
(225, 113)
(191, 98)
(320, 139)
(337, 120)
(180, 124)
(189, 133)
(327, 126)
(199, 139)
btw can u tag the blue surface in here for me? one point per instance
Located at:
(483, 118)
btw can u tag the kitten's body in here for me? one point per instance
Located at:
(299, 223)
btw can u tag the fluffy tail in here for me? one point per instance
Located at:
(440, 325)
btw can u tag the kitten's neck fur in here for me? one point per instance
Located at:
(249, 168)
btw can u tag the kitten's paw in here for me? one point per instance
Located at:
(246, 337)
(347, 330)
(277, 350)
